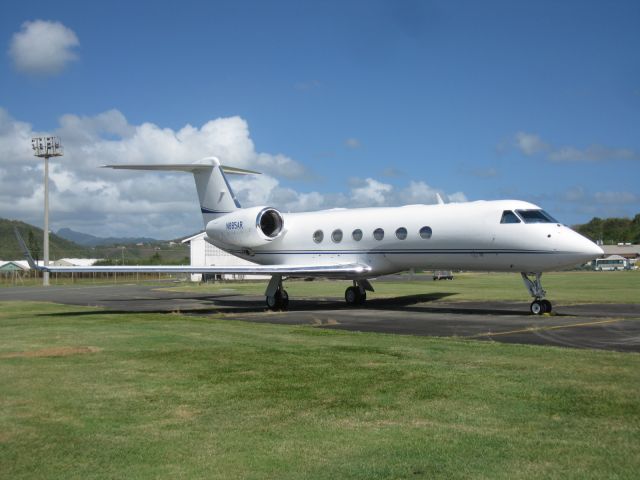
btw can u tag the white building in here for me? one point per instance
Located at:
(63, 262)
(203, 254)
(73, 262)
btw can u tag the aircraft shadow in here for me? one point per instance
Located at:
(239, 304)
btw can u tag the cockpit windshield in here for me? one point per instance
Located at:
(509, 217)
(535, 216)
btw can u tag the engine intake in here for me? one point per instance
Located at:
(270, 222)
(249, 227)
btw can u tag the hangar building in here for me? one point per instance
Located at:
(205, 254)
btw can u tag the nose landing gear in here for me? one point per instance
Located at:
(540, 304)
(538, 307)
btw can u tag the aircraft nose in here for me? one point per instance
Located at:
(589, 249)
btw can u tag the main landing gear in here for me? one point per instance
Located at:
(540, 304)
(277, 297)
(357, 294)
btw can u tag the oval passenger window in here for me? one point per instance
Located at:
(425, 232)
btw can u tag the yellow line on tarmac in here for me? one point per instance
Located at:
(553, 327)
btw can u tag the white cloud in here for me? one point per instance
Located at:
(593, 153)
(579, 194)
(352, 143)
(531, 144)
(457, 197)
(574, 194)
(127, 203)
(420, 192)
(489, 172)
(609, 203)
(43, 47)
(367, 192)
(370, 192)
(105, 202)
(616, 198)
(392, 172)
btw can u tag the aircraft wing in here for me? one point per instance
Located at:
(336, 269)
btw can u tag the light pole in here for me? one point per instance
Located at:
(45, 147)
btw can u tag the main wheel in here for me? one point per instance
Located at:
(547, 306)
(537, 307)
(272, 302)
(351, 295)
(279, 301)
(362, 296)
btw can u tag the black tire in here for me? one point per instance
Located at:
(280, 301)
(537, 307)
(362, 297)
(547, 306)
(272, 302)
(351, 295)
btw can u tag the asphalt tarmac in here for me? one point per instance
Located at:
(599, 326)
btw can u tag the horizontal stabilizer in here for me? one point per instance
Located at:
(182, 167)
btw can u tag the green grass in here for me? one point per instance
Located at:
(564, 287)
(86, 393)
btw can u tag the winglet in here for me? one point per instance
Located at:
(25, 251)
(439, 199)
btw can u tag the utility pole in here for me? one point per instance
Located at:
(46, 147)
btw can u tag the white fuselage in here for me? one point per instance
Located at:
(468, 236)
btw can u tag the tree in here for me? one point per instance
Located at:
(611, 230)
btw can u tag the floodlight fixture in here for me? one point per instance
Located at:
(44, 147)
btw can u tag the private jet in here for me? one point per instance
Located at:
(358, 244)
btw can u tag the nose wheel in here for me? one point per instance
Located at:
(540, 305)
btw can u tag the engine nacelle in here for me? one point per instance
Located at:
(248, 227)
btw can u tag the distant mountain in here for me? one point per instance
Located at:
(125, 249)
(93, 241)
(58, 247)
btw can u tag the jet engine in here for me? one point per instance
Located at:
(248, 227)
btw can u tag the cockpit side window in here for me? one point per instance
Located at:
(509, 217)
(536, 216)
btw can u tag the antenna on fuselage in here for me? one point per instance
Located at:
(439, 199)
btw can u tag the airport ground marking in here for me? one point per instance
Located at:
(552, 327)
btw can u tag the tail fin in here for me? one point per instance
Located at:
(214, 192)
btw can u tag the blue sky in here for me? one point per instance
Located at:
(382, 101)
